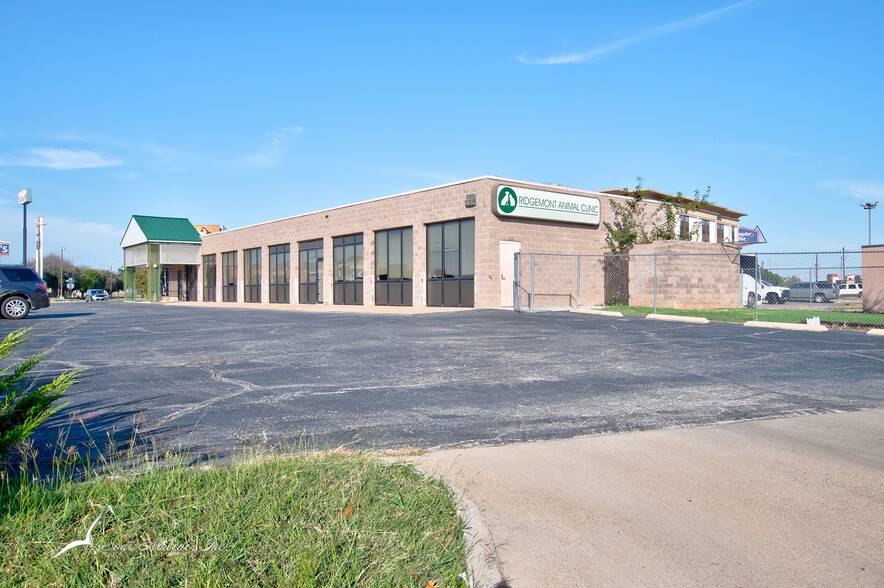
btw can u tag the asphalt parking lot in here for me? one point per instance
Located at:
(218, 378)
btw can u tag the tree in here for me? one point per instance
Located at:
(24, 408)
(85, 278)
(634, 225)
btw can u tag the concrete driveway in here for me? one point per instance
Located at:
(787, 502)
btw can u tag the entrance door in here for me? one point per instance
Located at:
(508, 250)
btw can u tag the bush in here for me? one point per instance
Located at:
(24, 408)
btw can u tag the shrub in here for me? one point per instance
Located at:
(25, 407)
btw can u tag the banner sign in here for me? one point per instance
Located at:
(537, 204)
(750, 236)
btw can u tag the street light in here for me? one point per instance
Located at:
(869, 206)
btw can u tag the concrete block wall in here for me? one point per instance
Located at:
(689, 275)
(555, 279)
(873, 278)
(415, 209)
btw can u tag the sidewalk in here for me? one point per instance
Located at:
(788, 502)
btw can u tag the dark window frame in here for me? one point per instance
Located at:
(452, 287)
(349, 262)
(310, 291)
(390, 291)
(210, 278)
(228, 276)
(251, 275)
(280, 273)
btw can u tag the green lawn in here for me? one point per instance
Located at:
(319, 519)
(765, 313)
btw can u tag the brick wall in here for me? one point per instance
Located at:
(873, 278)
(555, 279)
(689, 275)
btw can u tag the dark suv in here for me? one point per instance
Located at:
(21, 291)
(813, 292)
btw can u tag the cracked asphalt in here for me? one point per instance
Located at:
(218, 378)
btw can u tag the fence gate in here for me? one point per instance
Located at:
(616, 279)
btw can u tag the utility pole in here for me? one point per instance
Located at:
(61, 276)
(869, 206)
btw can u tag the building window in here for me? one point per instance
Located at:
(279, 274)
(705, 230)
(209, 278)
(719, 234)
(310, 269)
(228, 276)
(394, 267)
(251, 266)
(684, 227)
(348, 269)
(451, 263)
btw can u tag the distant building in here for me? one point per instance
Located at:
(208, 229)
(166, 251)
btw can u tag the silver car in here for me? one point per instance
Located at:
(95, 295)
(814, 292)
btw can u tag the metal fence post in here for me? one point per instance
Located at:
(578, 280)
(655, 283)
(757, 277)
(531, 298)
(517, 282)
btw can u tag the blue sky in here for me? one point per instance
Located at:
(235, 113)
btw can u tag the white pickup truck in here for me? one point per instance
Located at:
(763, 292)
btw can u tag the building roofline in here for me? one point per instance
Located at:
(539, 185)
(657, 196)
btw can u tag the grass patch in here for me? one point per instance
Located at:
(741, 315)
(310, 519)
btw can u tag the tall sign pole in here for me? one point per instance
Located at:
(24, 198)
(39, 240)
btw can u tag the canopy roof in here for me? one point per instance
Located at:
(159, 229)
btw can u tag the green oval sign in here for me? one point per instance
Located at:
(507, 201)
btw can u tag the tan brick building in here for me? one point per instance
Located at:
(449, 245)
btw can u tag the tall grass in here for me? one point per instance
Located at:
(309, 518)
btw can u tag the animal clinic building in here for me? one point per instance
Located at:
(446, 246)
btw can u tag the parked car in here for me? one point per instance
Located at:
(814, 292)
(850, 290)
(21, 291)
(95, 295)
(762, 292)
(775, 294)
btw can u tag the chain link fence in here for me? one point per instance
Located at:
(840, 289)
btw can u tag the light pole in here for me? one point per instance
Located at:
(869, 206)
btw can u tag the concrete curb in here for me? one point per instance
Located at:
(879, 332)
(482, 558)
(598, 312)
(786, 326)
(678, 319)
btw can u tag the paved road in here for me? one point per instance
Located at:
(213, 377)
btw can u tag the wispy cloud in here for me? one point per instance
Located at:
(865, 191)
(598, 53)
(65, 159)
(271, 154)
